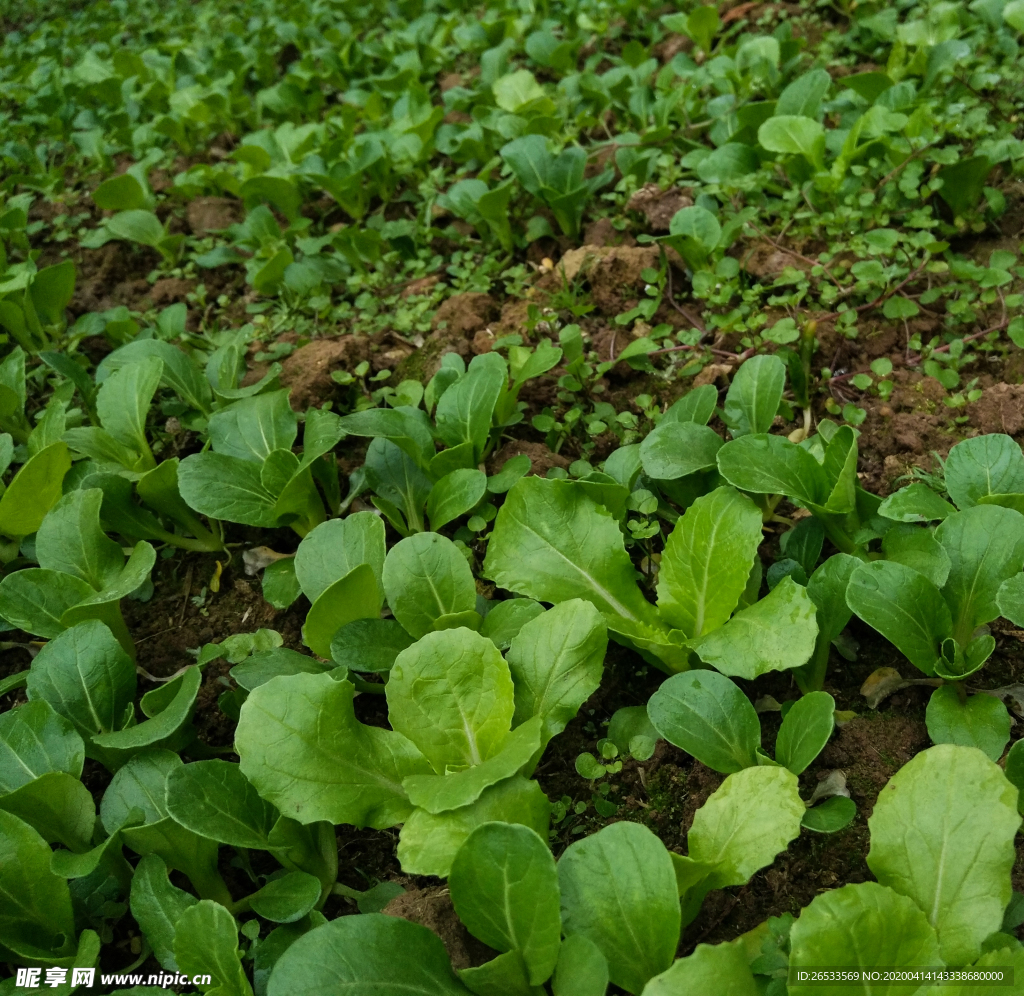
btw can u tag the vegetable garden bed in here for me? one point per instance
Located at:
(517, 499)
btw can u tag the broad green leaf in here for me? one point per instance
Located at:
(721, 969)
(140, 784)
(428, 844)
(707, 561)
(464, 412)
(552, 543)
(985, 545)
(675, 449)
(627, 724)
(504, 888)
(369, 644)
(206, 942)
(556, 661)
(1003, 957)
(729, 162)
(426, 577)
(505, 975)
(458, 788)
(288, 898)
(905, 607)
(180, 373)
(869, 85)
(123, 402)
(753, 396)
(407, 428)
(36, 921)
(214, 799)
(1013, 14)
(505, 619)
(990, 464)
(280, 586)
(35, 600)
(774, 634)
(794, 135)
(137, 226)
(804, 95)
(328, 553)
(772, 465)
(705, 714)
(260, 667)
(619, 890)
(162, 728)
(915, 503)
(157, 906)
(515, 90)
(581, 970)
(917, 548)
(702, 25)
(121, 193)
(86, 676)
(833, 814)
(70, 540)
(358, 953)
(301, 747)
(942, 833)
(694, 232)
(355, 596)
(862, 926)
(978, 721)
(58, 806)
(34, 491)
(751, 817)
(451, 695)
(805, 730)
(827, 589)
(35, 740)
(251, 429)
(396, 478)
(697, 406)
(1010, 599)
(225, 487)
(454, 495)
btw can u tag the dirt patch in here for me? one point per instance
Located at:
(307, 372)
(766, 261)
(170, 290)
(659, 206)
(1000, 409)
(465, 313)
(613, 273)
(603, 233)
(213, 214)
(431, 907)
(541, 458)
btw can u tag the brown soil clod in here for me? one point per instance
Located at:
(307, 372)
(212, 214)
(432, 908)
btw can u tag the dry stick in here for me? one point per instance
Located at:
(695, 322)
(798, 255)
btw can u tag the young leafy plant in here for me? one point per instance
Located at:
(82, 573)
(941, 587)
(250, 474)
(556, 180)
(552, 542)
(470, 406)
(706, 714)
(467, 728)
(619, 898)
(939, 900)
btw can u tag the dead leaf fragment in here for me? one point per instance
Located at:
(881, 684)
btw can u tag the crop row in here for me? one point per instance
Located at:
(476, 687)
